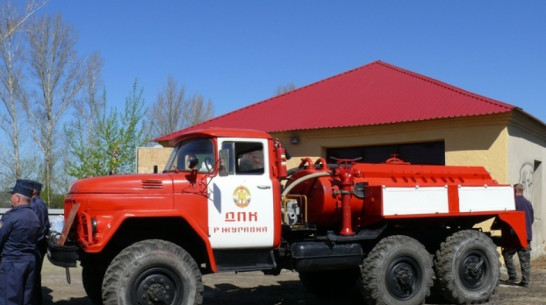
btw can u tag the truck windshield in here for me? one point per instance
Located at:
(199, 150)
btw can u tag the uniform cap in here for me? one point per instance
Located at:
(22, 188)
(35, 185)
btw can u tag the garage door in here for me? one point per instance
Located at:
(432, 153)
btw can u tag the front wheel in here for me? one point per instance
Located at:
(467, 267)
(153, 272)
(92, 276)
(398, 270)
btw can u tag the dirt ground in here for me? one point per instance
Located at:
(285, 289)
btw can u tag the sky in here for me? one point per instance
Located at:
(237, 53)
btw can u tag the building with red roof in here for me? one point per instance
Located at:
(374, 94)
(377, 110)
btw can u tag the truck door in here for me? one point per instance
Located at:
(240, 204)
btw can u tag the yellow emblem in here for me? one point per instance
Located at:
(241, 196)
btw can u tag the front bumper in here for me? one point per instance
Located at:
(62, 256)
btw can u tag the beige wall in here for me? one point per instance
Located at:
(527, 154)
(468, 141)
(147, 157)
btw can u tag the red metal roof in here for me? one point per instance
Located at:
(377, 93)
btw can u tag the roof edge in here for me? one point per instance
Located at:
(447, 86)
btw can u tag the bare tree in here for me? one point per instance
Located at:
(17, 19)
(284, 89)
(59, 75)
(165, 114)
(12, 46)
(197, 110)
(172, 111)
(11, 73)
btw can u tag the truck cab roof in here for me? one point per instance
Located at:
(172, 139)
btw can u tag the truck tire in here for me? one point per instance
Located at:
(92, 282)
(329, 283)
(153, 272)
(467, 267)
(398, 270)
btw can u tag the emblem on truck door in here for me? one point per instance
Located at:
(241, 196)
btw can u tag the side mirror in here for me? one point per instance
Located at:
(224, 157)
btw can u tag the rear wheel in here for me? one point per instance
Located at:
(398, 270)
(329, 283)
(153, 272)
(467, 267)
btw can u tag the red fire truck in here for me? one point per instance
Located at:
(227, 203)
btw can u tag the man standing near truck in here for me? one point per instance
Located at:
(524, 254)
(19, 229)
(40, 208)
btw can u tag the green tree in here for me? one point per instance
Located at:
(81, 135)
(117, 135)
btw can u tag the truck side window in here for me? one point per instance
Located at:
(246, 158)
(250, 158)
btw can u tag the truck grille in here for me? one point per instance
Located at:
(85, 232)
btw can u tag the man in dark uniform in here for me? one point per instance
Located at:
(524, 254)
(40, 208)
(19, 229)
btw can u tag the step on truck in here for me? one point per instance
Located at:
(227, 203)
